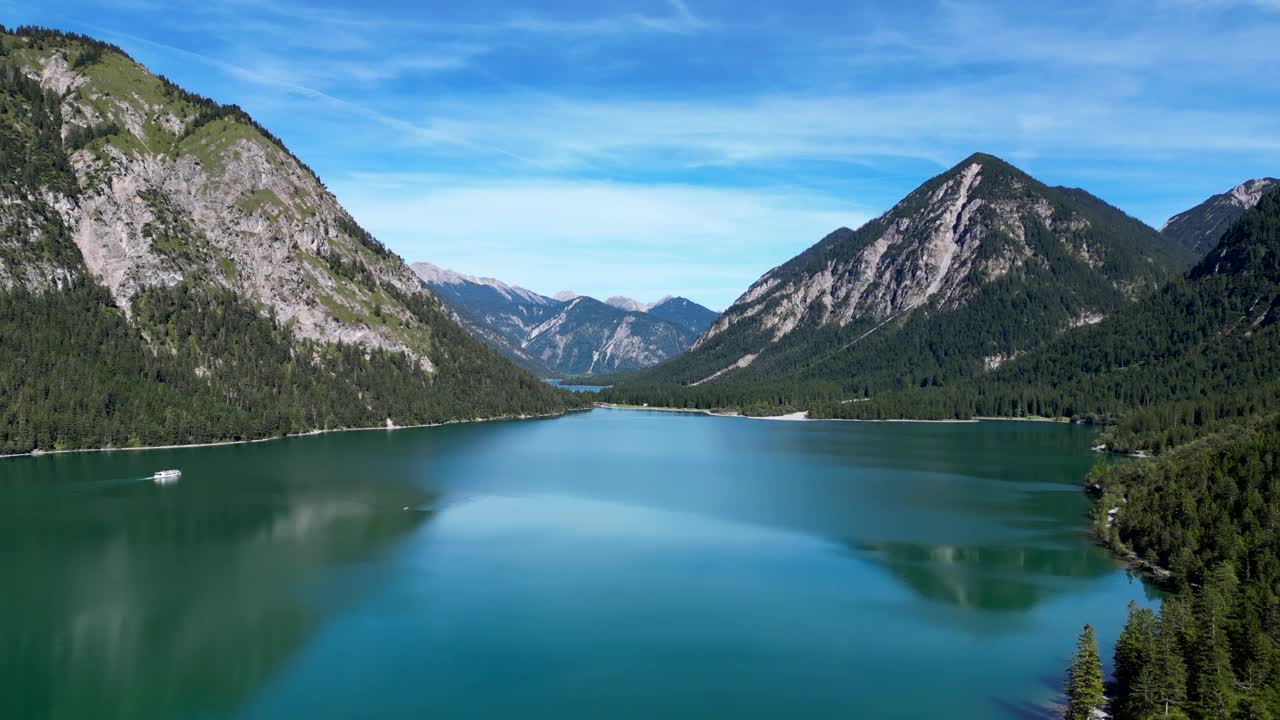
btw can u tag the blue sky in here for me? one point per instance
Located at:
(646, 147)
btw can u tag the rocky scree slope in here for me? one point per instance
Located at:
(976, 266)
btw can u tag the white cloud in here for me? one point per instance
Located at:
(1112, 90)
(600, 238)
(939, 125)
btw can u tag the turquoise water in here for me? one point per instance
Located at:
(577, 388)
(605, 564)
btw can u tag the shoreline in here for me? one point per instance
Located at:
(1157, 575)
(1137, 455)
(801, 416)
(385, 428)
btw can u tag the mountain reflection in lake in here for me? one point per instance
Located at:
(620, 564)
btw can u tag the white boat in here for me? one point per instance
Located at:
(165, 477)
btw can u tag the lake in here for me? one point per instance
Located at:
(614, 564)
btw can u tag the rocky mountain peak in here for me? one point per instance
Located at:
(1248, 193)
(182, 277)
(926, 247)
(434, 275)
(172, 188)
(625, 303)
(1251, 246)
(979, 235)
(570, 335)
(1200, 228)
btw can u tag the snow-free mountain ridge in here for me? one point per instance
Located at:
(575, 335)
(976, 266)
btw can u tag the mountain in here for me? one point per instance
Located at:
(170, 272)
(978, 265)
(625, 303)
(551, 337)
(1200, 353)
(1200, 228)
(588, 337)
(1195, 369)
(565, 295)
(685, 313)
(499, 314)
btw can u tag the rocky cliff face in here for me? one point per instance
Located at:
(170, 272)
(172, 187)
(983, 239)
(1200, 228)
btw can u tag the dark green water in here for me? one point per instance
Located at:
(610, 564)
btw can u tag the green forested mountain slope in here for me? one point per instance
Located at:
(978, 265)
(685, 313)
(1199, 228)
(170, 273)
(1203, 350)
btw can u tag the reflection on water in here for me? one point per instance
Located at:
(556, 568)
(134, 600)
(988, 578)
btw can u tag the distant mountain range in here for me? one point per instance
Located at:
(569, 334)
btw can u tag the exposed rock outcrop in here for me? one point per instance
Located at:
(963, 255)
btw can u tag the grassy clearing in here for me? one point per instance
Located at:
(211, 143)
(260, 199)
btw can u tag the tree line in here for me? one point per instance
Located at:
(74, 372)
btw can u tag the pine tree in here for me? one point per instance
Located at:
(1214, 684)
(1084, 678)
(1134, 650)
(1161, 686)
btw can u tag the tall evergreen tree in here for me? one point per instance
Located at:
(1213, 685)
(1133, 654)
(1160, 687)
(1084, 678)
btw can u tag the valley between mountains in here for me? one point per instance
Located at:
(172, 274)
(224, 284)
(568, 334)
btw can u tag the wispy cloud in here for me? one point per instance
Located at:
(552, 111)
(933, 124)
(678, 20)
(644, 240)
(347, 72)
